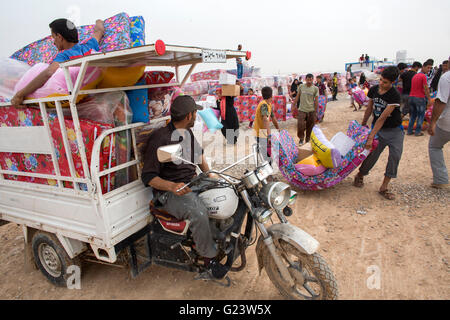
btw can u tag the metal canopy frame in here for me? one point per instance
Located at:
(175, 56)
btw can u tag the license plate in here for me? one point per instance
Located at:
(214, 56)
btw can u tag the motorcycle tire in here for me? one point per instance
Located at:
(317, 271)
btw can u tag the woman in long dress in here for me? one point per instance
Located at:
(229, 117)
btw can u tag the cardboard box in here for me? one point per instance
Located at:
(231, 90)
(227, 78)
(304, 152)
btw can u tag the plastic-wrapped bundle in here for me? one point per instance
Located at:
(248, 71)
(196, 88)
(342, 83)
(56, 85)
(11, 71)
(112, 108)
(360, 96)
(207, 75)
(269, 81)
(213, 86)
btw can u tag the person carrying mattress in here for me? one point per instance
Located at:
(384, 103)
(65, 36)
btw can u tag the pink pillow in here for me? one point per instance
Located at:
(56, 85)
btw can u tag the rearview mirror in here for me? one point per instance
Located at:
(169, 153)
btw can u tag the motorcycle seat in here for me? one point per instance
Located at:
(162, 214)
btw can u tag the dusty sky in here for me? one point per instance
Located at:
(284, 36)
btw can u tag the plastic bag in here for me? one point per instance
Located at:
(111, 108)
(56, 85)
(210, 119)
(11, 71)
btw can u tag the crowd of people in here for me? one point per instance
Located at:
(385, 104)
(403, 91)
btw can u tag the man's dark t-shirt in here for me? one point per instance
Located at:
(322, 89)
(406, 79)
(381, 101)
(179, 173)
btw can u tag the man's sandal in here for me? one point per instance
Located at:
(359, 182)
(387, 195)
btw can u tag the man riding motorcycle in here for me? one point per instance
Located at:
(169, 180)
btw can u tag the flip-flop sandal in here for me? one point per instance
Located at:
(387, 195)
(359, 182)
(420, 134)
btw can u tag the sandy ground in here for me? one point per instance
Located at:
(405, 243)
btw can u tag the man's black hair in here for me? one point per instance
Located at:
(390, 73)
(267, 93)
(429, 62)
(417, 64)
(66, 29)
(179, 117)
(402, 66)
(445, 62)
(309, 76)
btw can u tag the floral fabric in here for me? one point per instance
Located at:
(137, 31)
(117, 36)
(288, 154)
(246, 107)
(158, 77)
(39, 163)
(321, 108)
(207, 75)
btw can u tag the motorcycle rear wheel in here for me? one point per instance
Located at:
(313, 278)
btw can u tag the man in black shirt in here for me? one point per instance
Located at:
(406, 78)
(384, 103)
(167, 179)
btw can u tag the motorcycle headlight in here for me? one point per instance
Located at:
(264, 171)
(277, 195)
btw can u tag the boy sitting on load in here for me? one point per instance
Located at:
(65, 36)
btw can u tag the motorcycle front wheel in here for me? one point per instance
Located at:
(312, 275)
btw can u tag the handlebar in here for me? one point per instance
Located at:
(256, 155)
(200, 176)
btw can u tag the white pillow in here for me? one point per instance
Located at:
(343, 143)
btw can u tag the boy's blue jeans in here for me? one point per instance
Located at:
(417, 109)
(240, 71)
